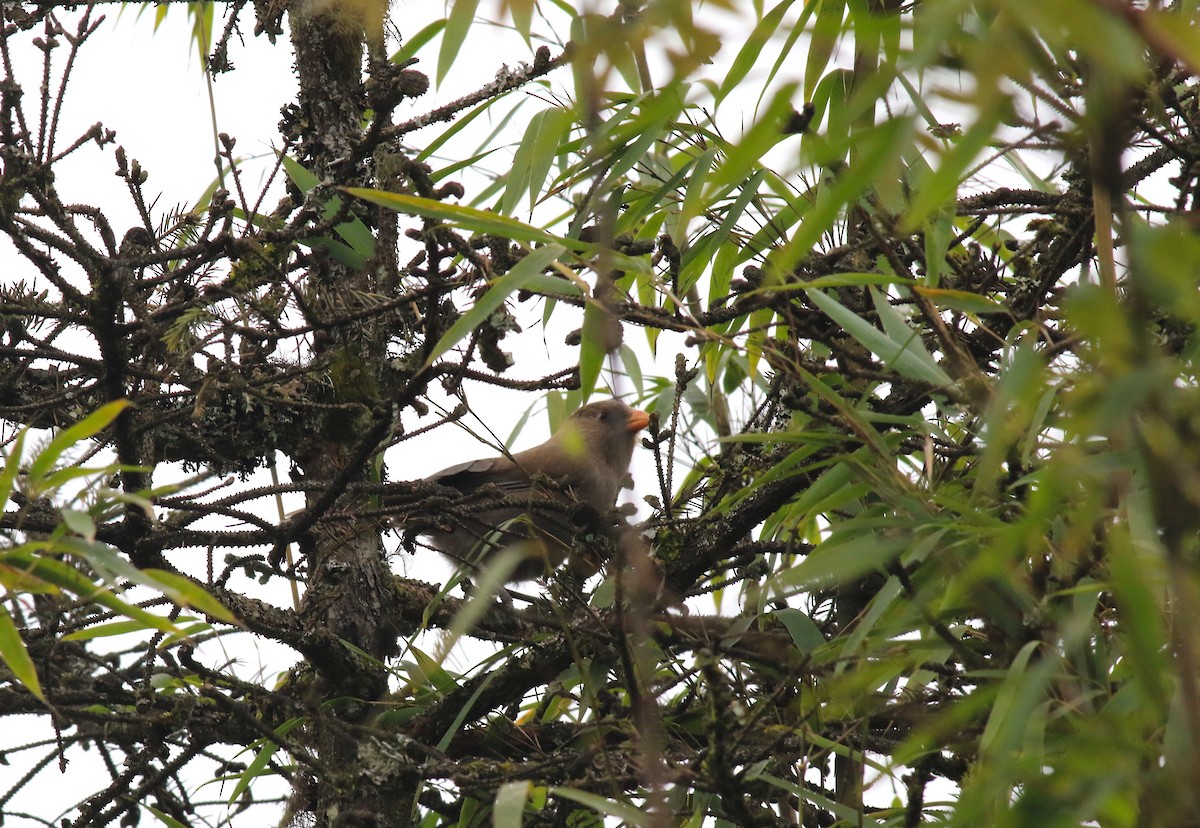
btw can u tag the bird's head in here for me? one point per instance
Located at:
(602, 433)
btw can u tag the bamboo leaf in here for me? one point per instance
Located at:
(764, 134)
(433, 673)
(469, 218)
(109, 630)
(109, 563)
(510, 804)
(1022, 689)
(751, 50)
(187, 593)
(800, 626)
(877, 148)
(909, 358)
(693, 203)
(12, 466)
(827, 29)
(416, 42)
(937, 190)
(534, 157)
(627, 813)
(86, 428)
(19, 579)
(458, 23)
(70, 579)
(522, 16)
(960, 300)
(841, 560)
(262, 757)
(521, 274)
(165, 819)
(843, 812)
(358, 237)
(1174, 30)
(80, 523)
(12, 650)
(591, 346)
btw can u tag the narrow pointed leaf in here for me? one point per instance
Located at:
(88, 427)
(462, 15)
(902, 356)
(510, 804)
(469, 218)
(521, 274)
(413, 44)
(12, 465)
(12, 650)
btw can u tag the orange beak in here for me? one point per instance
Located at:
(637, 420)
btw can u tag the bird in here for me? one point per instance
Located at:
(586, 462)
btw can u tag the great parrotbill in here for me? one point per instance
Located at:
(541, 492)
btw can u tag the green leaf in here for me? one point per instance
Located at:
(866, 624)
(460, 124)
(80, 523)
(61, 476)
(751, 50)
(88, 427)
(699, 257)
(187, 593)
(555, 128)
(458, 23)
(114, 567)
(960, 300)
(635, 152)
(67, 577)
(909, 358)
(257, 766)
(764, 134)
(1137, 584)
(623, 811)
(12, 650)
(522, 16)
(694, 201)
(757, 336)
(939, 189)
(108, 630)
(803, 630)
(357, 235)
(469, 218)
(165, 819)
(591, 346)
(841, 560)
(12, 466)
(876, 150)
(553, 285)
(844, 813)
(433, 673)
(826, 32)
(510, 804)
(523, 272)
(534, 157)
(19, 579)
(414, 44)
(1023, 689)
(1177, 32)
(834, 280)
(486, 587)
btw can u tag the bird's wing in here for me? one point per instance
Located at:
(499, 471)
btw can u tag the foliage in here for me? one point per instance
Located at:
(911, 288)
